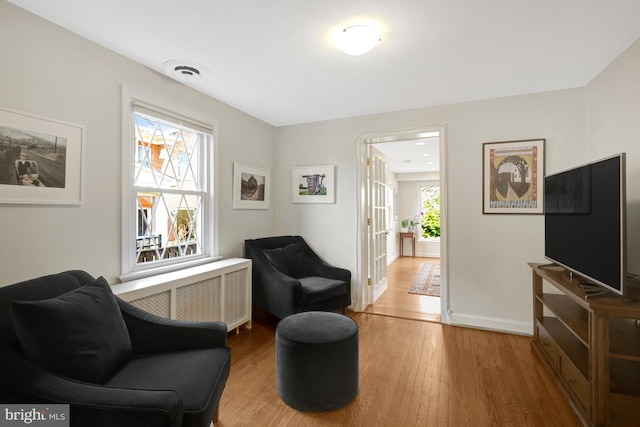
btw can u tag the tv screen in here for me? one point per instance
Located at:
(585, 221)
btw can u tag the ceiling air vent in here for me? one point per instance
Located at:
(184, 71)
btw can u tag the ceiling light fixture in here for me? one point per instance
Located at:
(184, 71)
(357, 39)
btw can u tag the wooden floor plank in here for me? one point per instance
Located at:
(412, 373)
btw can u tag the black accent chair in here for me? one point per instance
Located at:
(289, 277)
(66, 339)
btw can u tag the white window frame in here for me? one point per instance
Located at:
(130, 268)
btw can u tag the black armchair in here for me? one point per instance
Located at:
(67, 339)
(289, 277)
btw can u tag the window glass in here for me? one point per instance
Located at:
(430, 218)
(169, 183)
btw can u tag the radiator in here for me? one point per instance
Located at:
(219, 291)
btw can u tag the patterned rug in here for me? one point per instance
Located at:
(428, 280)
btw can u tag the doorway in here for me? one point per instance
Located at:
(407, 143)
(396, 301)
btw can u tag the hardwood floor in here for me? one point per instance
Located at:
(412, 373)
(396, 301)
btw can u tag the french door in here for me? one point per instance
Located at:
(377, 222)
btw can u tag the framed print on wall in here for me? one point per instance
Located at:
(513, 177)
(40, 159)
(312, 184)
(251, 187)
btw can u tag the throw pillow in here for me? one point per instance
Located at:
(300, 266)
(80, 334)
(277, 257)
(290, 260)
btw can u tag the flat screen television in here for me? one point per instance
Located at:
(585, 228)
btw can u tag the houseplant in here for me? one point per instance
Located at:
(405, 224)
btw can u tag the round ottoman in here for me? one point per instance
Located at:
(317, 365)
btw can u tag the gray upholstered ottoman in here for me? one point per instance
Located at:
(317, 365)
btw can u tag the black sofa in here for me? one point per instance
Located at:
(289, 277)
(65, 338)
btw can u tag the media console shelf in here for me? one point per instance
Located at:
(590, 346)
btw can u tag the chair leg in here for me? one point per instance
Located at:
(214, 418)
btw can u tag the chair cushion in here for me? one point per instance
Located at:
(315, 289)
(80, 334)
(197, 375)
(290, 260)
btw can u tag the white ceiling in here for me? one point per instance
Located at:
(414, 156)
(273, 60)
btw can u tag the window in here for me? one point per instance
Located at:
(391, 206)
(168, 200)
(430, 219)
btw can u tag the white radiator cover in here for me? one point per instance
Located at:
(218, 291)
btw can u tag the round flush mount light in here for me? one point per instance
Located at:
(357, 39)
(185, 71)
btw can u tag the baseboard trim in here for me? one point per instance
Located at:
(392, 258)
(491, 323)
(427, 254)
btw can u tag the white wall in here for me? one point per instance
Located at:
(51, 72)
(613, 115)
(488, 277)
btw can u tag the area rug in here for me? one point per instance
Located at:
(428, 281)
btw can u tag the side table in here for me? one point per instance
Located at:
(408, 235)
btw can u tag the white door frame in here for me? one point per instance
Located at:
(363, 295)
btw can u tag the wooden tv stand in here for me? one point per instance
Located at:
(590, 346)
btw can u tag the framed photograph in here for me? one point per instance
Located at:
(312, 184)
(513, 177)
(40, 159)
(251, 187)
